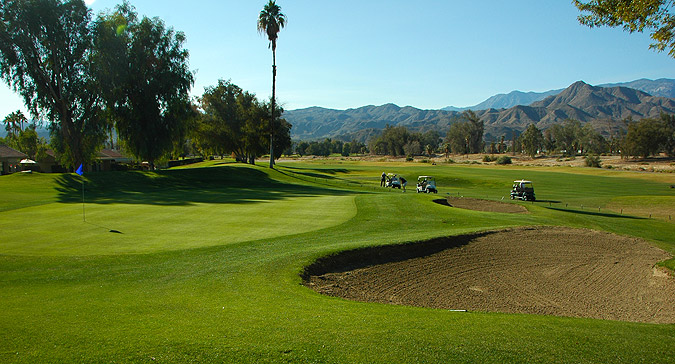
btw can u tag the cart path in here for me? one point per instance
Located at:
(541, 270)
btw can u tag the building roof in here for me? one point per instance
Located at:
(7, 152)
(112, 154)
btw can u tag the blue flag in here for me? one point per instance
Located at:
(79, 170)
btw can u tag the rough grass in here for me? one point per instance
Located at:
(227, 297)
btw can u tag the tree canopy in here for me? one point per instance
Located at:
(45, 55)
(466, 137)
(270, 22)
(143, 69)
(532, 140)
(234, 121)
(655, 16)
(650, 136)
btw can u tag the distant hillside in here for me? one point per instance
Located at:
(318, 123)
(505, 101)
(663, 87)
(605, 107)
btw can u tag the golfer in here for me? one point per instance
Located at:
(384, 177)
(403, 183)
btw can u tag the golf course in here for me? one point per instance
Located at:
(207, 263)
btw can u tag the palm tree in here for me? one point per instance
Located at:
(270, 21)
(14, 123)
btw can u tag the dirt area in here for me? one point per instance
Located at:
(655, 164)
(481, 205)
(541, 270)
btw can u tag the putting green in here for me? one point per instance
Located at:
(59, 229)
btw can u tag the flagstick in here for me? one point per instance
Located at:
(83, 217)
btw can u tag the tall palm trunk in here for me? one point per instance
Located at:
(274, 89)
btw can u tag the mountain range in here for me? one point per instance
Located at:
(604, 107)
(663, 87)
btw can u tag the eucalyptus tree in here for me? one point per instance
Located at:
(644, 138)
(219, 128)
(270, 22)
(532, 140)
(45, 56)
(234, 121)
(467, 136)
(143, 72)
(475, 127)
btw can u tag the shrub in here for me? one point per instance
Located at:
(409, 158)
(593, 161)
(488, 158)
(505, 159)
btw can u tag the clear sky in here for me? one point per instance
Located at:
(427, 54)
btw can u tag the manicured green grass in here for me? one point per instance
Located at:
(206, 268)
(162, 211)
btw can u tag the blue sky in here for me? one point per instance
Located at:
(426, 54)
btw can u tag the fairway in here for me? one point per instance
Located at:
(206, 264)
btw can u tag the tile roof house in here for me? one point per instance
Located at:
(108, 157)
(105, 161)
(9, 160)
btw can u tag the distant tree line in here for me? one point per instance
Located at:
(398, 141)
(24, 139)
(643, 138)
(569, 139)
(327, 147)
(639, 139)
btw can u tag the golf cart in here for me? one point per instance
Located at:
(426, 184)
(393, 181)
(523, 190)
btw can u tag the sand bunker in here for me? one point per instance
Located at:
(481, 205)
(541, 270)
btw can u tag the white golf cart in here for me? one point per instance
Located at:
(523, 190)
(426, 184)
(393, 181)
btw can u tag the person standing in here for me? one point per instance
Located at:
(403, 183)
(384, 177)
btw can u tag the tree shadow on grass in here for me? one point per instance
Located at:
(296, 172)
(226, 185)
(319, 171)
(603, 214)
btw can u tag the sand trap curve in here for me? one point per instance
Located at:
(477, 204)
(542, 270)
